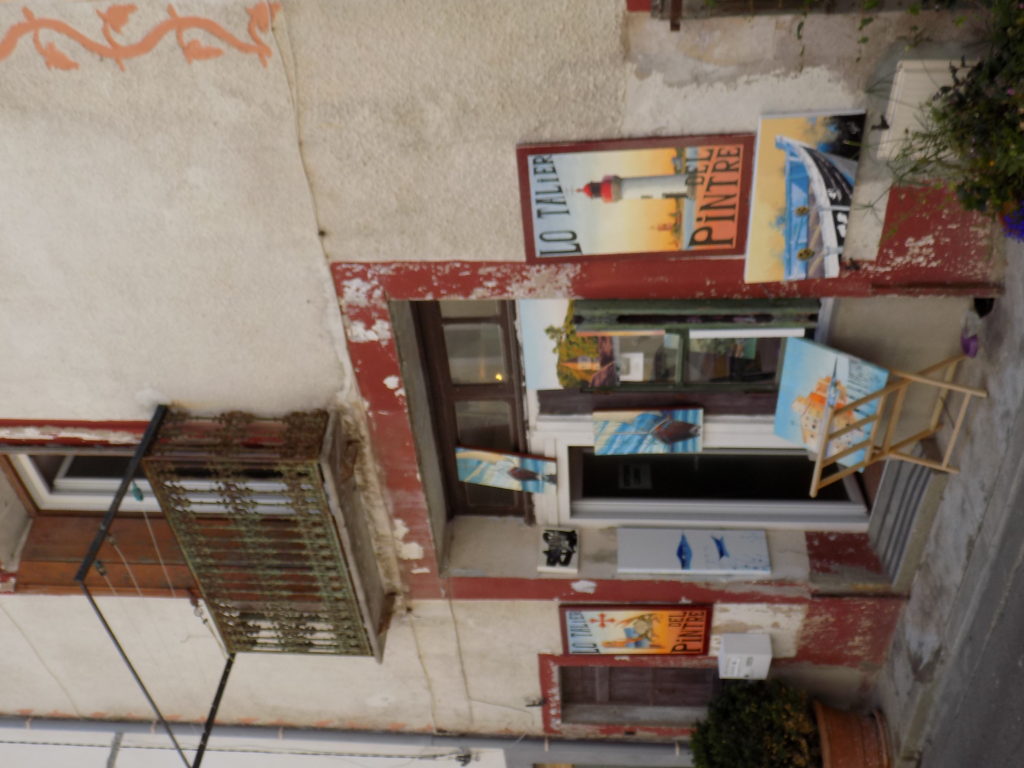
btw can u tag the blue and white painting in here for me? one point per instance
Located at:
(803, 194)
(693, 551)
(815, 379)
(627, 433)
(532, 474)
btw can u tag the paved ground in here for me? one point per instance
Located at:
(953, 685)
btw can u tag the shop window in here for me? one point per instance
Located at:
(471, 366)
(635, 695)
(686, 345)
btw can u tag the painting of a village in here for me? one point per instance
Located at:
(816, 378)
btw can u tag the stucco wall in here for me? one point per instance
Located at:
(462, 667)
(159, 240)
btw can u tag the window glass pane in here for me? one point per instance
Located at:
(468, 308)
(485, 496)
(476, 354)
(732, 359)
(484, 424)
(646, 357)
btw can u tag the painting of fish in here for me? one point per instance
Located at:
(625, 433)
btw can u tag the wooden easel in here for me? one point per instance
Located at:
(887, 449)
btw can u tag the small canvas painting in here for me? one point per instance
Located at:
(638, 629)
(623, 433)
(693, 551)
(816, 378)
(532, 474)
(803, 194)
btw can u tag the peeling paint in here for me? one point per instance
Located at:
(420, 570)
(358, 333)
(392, 382)
(357, 292)
(46, 434)
(585, 586)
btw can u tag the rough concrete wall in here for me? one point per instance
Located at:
(159, 241)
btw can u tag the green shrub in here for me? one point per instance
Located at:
(761, 724)
(972, 138)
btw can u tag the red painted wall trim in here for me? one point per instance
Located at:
(849, 631)
(638, 6)
(63, 432)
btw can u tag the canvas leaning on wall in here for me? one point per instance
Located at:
(511, 471)
(803, 193)
(816, 378)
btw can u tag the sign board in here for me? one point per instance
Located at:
(658, 196)
(639, 629)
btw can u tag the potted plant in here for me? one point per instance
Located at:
(770, 725)
(972, 135)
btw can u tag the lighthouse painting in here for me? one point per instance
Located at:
(655, 197)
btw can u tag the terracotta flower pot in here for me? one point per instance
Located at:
(850, 740)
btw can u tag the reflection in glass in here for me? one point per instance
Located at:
(476, 354)
(646, 358)
(484, 424)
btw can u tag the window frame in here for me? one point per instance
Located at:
(727, 318)
(445, 394)
(92, 495)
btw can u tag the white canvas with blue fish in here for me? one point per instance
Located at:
(627, 433)
(693, 551)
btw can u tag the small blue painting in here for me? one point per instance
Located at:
(532, 474)
(627, 433)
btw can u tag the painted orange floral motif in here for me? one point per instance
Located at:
(116, 17)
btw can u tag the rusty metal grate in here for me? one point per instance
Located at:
(245, 497)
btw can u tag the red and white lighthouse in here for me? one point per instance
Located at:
(611, 189)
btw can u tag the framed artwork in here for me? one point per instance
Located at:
(624, 433)
(803, 190)
(512, 471)
(816, 378)
(638, 629)
(682, 195)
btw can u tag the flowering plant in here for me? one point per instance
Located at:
(973, 133)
